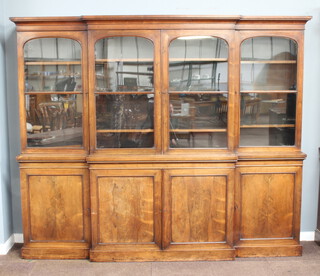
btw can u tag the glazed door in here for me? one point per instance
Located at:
(124, 91)
(197, 91)
(53, 91)
(270, 90)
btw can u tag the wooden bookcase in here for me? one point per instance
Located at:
(149, 138)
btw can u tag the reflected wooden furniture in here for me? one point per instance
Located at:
(160, 203)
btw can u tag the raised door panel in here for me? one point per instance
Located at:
(125, 207)
(56, 210)
(269, 202)
(267, 206)
(55, 204)
(197, 207)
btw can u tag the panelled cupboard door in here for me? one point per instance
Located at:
(125, 211)
(268, 206)
(198, 210)
(55, 205)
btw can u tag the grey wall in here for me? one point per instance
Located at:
(6, 225)
(311, 114)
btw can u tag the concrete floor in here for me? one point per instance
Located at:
(307, 265)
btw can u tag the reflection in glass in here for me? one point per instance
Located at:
(269, 136)
(269, 69)
(125, 140)
(198, 111)
(53, 78)
(54, 120)
(268, 76)
(124, 64)
(268, 108)
(52, 64)
(268, 48)
(268, 63)
(198, 64)
(124, 111)
(198, 120)
(188, 139)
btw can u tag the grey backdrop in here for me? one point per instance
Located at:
(8, 94)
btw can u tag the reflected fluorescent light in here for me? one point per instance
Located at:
(194, 37)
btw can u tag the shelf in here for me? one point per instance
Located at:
(268, 91)
(124, 92)
(268, 126)
(51, 76)
(268, 61)
(52, 92)
(52, 63)
(198, 130)
(198, 59)
(198, 92)
(135, 73)
(124, 130)
(127, 61)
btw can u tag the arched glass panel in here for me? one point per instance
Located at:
(198, 88)
(268, 91)
(124, 92)
(53, 89)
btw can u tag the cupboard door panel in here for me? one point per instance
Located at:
(56, 207)
(267, 205)
(269, 201)
(199, 209)
(126, 209)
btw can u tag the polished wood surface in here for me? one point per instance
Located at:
(162, 203)
(198, 214)
(125, 209)
(56, 206)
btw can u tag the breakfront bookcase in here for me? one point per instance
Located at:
(150, 138)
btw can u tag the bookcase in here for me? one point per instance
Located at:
(154, 138)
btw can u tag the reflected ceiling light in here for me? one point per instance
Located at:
(194, 37)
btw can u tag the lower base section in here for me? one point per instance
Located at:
(54, 252)
(243, 249)
(317, 236)
(102, 254)
(268, 248)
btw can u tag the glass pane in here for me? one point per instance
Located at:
(124, 64)
(269, 70)
(188, 139)
(53, 78)
(271, 136)
(268, 63)
(125, 140)
(198, 64)
(198, 120)
(269, 48)
(268, 108)
(124, 111)
(198, 111)
(52, 64)
(268, 76)
(54, 120)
